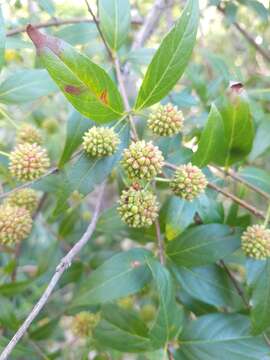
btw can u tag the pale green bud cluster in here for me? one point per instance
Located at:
(28, 162)
(142, 160)
(27, 133)
(256, 242)
(138, 207)
(25, 198)
(188, 182)
(15, 224)
(166, 120)
(84, 323)
(100, 141)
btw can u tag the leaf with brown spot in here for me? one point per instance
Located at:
(86, 85)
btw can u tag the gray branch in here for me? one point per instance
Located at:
(63, 265)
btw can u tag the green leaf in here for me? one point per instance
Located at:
(78, 34)
(171, 58)
(122, 330)
(86, 85)
(238, 129)
(77, 125)
(86, 172)
(2, 39)
(260, 298)
(211, 147)
(209, 284)
(202, 245)
(168, 322)
(222, 337)
(26, 85)
(179, 216)
(48, 6)
(261, 141)
(122, 275)
(114, 18)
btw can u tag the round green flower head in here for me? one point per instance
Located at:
(100, 141)
(188, 182)
(27, 133)
(138, 207)
(84, 323)
(142, 160)
(256, 242)
(15, 224)
(25, 198)
(28, 162)
(166, 120)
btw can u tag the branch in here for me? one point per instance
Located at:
(58, 22)
(63, 265)
(235, 284)
(265, 54)
(237, 200)
(238, 178)
(150, 23)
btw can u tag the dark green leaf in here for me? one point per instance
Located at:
(122, 275)
(171, 58)
(261, 141)
(180, 214)
(77, 125)
(222, 337)
(257, 177)
(209, 284)
(168, 322)
(122, 330)
(202, 245)
(114, 21)
(86, 85)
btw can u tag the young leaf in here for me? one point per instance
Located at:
(77, 125)
(168, 322)
(238, 129)
(114, 18)
(215, 336)
(86, 85)
(122, 275)
(202, 245)
(211, 147)
(171, 58)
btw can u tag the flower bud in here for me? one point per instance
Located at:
(25, 198)
(256, 242)
(100, 141)
(166, 120)
(27, 133)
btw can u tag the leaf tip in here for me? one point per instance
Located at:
(41, 40)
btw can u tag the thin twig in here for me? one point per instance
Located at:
(235, 284)
(99, 29)
(60, 22)
(160, 243)
(256, 212)
(63, 265)
(265, 54)
(238, 178)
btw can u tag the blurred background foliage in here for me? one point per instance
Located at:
(232, 45)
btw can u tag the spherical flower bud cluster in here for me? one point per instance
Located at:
(28, 162)
(84, 323)
(166, 120)
(256, 242)
(25, 198)
(142, 160)
(100, 141)
(15, 224)
(188, 182)
(138, 207)
(28, 134)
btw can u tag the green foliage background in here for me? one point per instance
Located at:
(210, 302)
